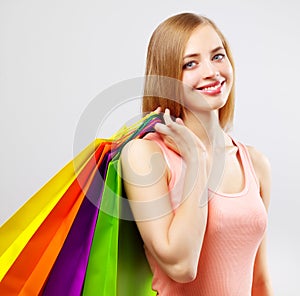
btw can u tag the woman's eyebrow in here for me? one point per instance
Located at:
(217, 49)
(193, 55)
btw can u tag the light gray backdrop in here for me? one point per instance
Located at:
(56, 56)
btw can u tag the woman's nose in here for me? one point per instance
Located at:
(207, 69)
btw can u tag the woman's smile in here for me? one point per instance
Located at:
(212, 89)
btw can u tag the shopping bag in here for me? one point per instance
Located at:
(101, 271)
(71, 264)
(117, 262)
(134, 276)
(31, 268)
(19, 229)
(67, 275)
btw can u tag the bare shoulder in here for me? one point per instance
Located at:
(139, 152)
(141, 146)
(142, 159)
(262, 169)
(260, 161)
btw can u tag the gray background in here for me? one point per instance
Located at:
(56, 56)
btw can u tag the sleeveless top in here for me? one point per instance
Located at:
(236, 225)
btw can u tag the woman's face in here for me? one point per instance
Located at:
(207, 72)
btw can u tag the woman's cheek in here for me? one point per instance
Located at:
(189, 79)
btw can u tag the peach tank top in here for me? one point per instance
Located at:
(235, 227)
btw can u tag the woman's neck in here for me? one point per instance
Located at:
(206, 126)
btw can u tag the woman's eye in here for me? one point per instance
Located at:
(189, 65)
(219, 57)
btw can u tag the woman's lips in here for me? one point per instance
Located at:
(212, 88)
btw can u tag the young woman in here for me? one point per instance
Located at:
(199, 197)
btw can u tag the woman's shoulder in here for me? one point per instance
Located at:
(143, 168)
(259, 160)
(139, 154)
(143, 148)
(262, 168)
(138, 148)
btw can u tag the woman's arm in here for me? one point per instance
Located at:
(175, 240)
(261, 279)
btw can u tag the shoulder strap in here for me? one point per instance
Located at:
(247, 162)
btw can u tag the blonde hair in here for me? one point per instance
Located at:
(164, 66)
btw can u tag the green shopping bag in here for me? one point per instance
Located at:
(117, 264)
(134, 275)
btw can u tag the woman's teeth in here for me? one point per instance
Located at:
(211, 88)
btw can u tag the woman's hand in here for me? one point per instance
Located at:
(180, 138)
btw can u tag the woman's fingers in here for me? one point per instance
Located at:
(167, 117)
(157, 110)
(170, 125)
(179, 121)
(173, 124)
(162, 128)
(179, 137)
